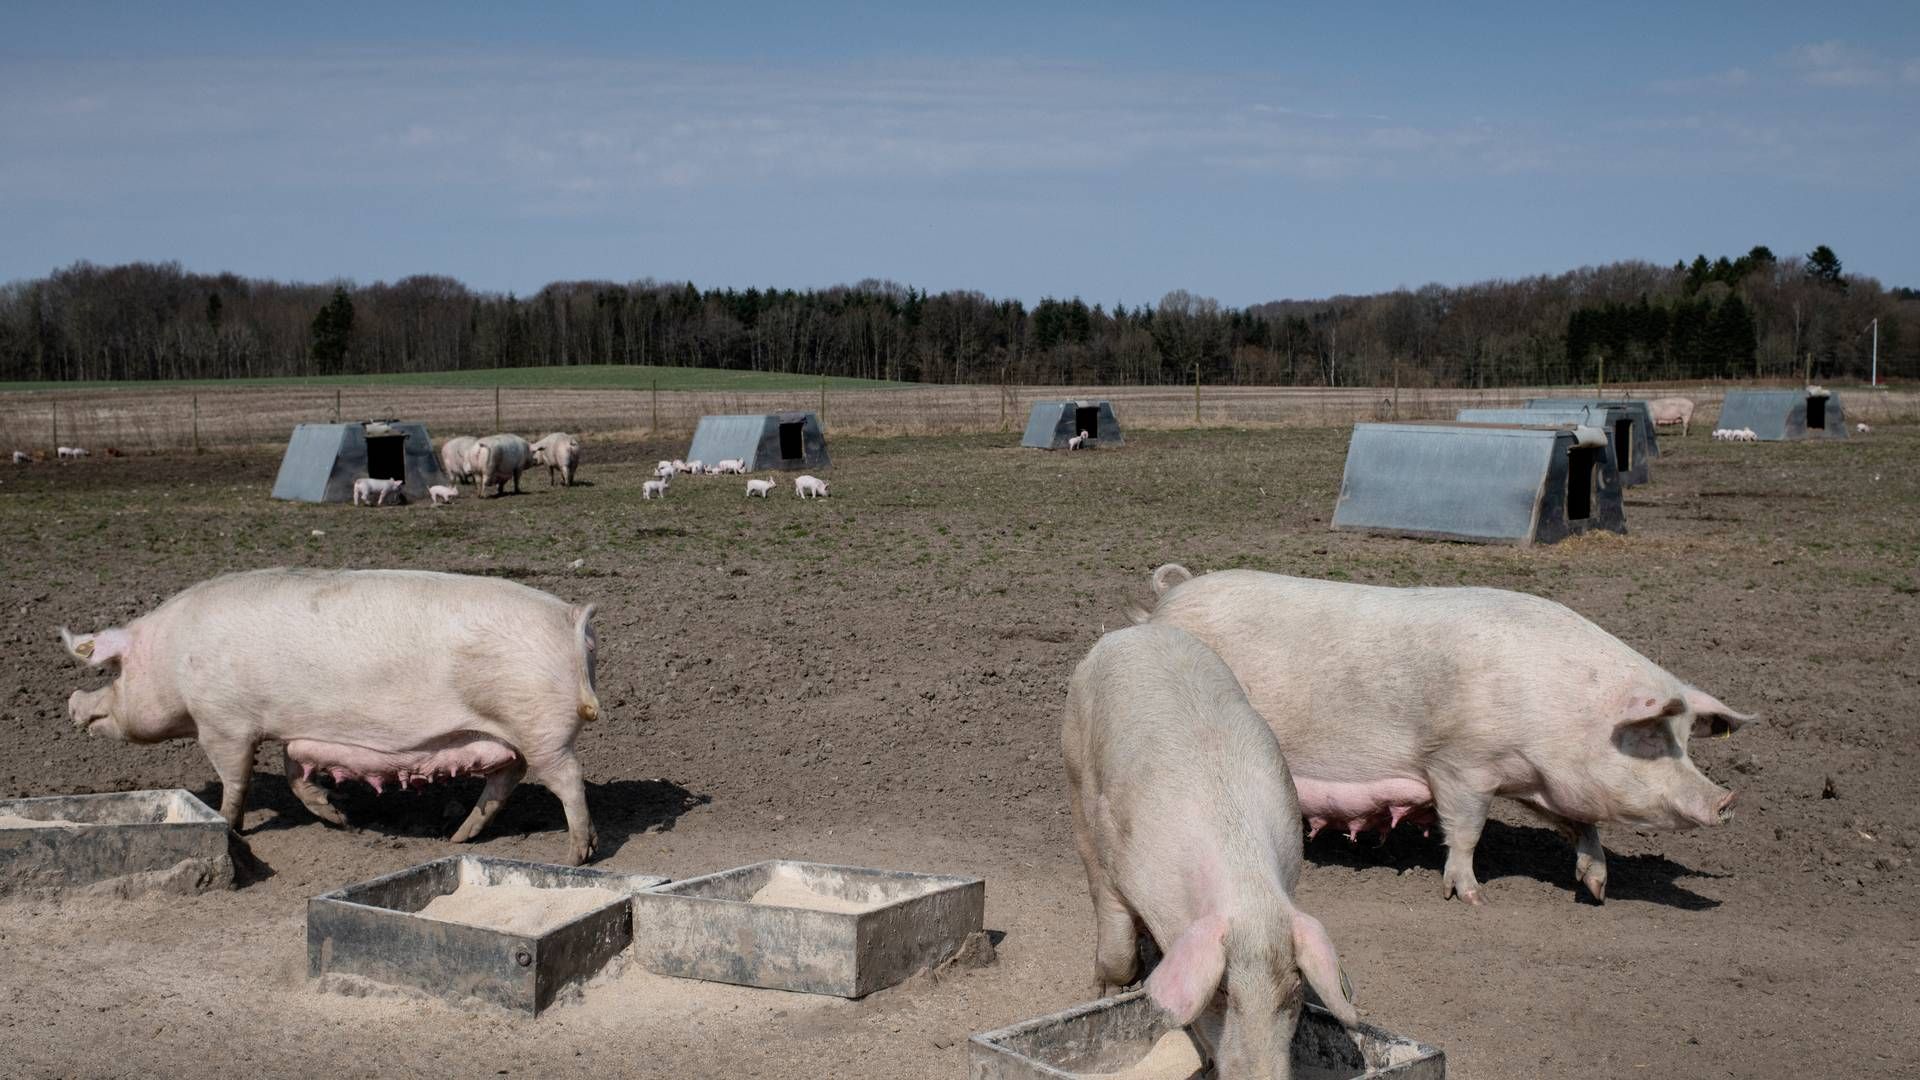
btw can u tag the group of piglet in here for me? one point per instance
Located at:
(805, 487)
(1243, 702)
(1735, 435)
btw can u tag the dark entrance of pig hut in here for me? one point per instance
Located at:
(323, 460)
(1645, 444)
(1483, 483)
(1785, 415)
(785, 440)
(1051, 423)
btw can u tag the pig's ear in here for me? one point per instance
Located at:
(1711, 716)
(97, 649)
(1313, 954)
(1188, 975)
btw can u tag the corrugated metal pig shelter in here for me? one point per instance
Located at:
(1628, 460)
(1051, 423)
(1646, 440)
(323, 460)
(1485, 483)
(785, 440)
(1780, 415)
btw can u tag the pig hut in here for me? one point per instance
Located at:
(1052, 423)
(1782, 415)
(1646, 442)
(1484, 483)
(1616, 422)
(784, 440)
(323, 460)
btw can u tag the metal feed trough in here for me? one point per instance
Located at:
(710, 927)
(1051, 423)
(1485, 483)
(1111, 1034)
(126, 842)
(1629, 460)
(1646, 437)
(323, 460)
(787, 440)
(1785, 415)
(372, 930)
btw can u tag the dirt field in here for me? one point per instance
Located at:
(876, 679)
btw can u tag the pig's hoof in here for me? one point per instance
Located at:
(464, 834)
(1596, 884)
(580, 854)
(1468, 890)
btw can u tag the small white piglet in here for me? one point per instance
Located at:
(809, 487)
(21, 457)
(654, 489)
(759, 487)
(1864, 429)
(442, 493)
(1077, 441)
(371, 492)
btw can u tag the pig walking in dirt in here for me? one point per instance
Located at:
(499, 458)
(1187, 823)
(399, 676)
(372, 492)
(560, 453)
(456, 456)
(1668, 411)
(1393, 704)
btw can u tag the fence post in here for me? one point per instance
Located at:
(55, 405)
(1196, 395)
(496, 409)
(823, 400)
(656, 406)
(196, 423)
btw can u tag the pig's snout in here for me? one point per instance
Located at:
(1714, 808)
(1723, 812)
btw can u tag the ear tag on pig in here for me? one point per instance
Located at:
(84, 649)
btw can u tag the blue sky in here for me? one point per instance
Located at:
(1113, 151)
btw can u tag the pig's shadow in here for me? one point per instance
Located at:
(621, 809)
(1520, 851)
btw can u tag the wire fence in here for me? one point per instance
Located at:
(168, 419)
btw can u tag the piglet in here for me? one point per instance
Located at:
(1186, 821)
(442, 493)
(809, 487)
(371, 492)
(654, 489)
(759, 487)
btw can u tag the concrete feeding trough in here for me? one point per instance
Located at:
(1051, 423)
(1112, 1036)
(1785, 415)
(470, 928)
(1646, 438)
(125, 843)
(810, 927)
(1629, 457)
(1483, 483)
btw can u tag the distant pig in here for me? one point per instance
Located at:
(654, 489)
(442, 493)
(1077, 441)
(736, 466)
(499, 458)
(1186, 822)
(759, 487)
(376, 675)
(691, 465)
(809, 487)
(21, 457)
(456, 456)
(1394, 703)
(373, 492)
(1864, 429)
(1668, 411)
(560, 453)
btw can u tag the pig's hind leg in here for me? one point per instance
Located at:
(499, 785)
(310, 794)
(1116, 946)
(561, 774)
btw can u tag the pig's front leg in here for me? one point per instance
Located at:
(492, 797)
(1590, 861)
(310, 794)
(232, 759)
(1463, 813)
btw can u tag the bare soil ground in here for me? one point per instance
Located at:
(876, 679)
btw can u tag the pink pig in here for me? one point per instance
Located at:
(381, 675)
(1186, 821)
(1397, 704)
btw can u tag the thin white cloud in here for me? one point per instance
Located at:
(1836, 63)
(1733, 78)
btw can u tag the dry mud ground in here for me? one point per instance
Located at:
(876, 679)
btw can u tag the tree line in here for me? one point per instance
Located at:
(1754, 315)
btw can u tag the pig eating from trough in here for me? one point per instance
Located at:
(1397, 703)
(1187, 823)
(399, 676)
